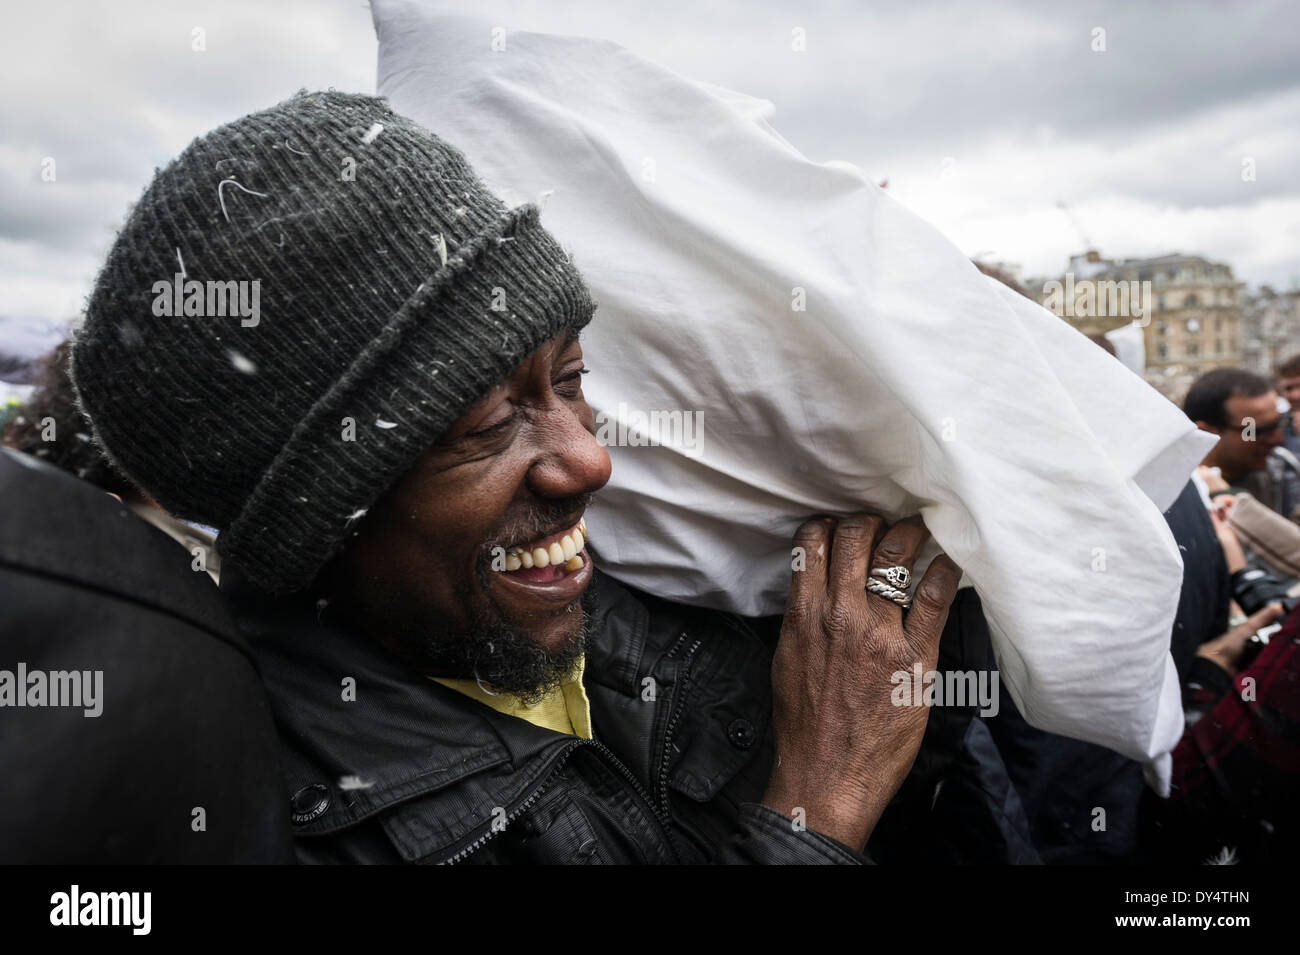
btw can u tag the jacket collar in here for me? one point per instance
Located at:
(361, 735)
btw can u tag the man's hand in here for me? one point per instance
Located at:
(1225, 650)
(1232, 550)
(1213, 479)
(842, 747)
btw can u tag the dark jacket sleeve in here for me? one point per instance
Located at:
(767, 837)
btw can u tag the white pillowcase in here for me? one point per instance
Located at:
(907, 383)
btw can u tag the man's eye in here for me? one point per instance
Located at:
(570, 386)
(493, 429)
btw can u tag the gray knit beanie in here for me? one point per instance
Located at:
(296, 308)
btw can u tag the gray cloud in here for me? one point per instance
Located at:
(1145, 140)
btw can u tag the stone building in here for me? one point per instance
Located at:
(1270, 329)
(1189, 309)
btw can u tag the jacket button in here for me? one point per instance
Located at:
(309, 803)
(741, 734)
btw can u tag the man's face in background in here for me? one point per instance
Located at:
(427, 572)
(1289, 388)
(1253, 430)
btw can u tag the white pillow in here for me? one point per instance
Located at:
(908, 383)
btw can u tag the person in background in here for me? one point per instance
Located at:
(50, 427)
(1236, 771)
(1242, 409)
(1288, 386)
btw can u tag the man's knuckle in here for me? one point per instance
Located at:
(840, 619)
(921, 618)
(938, 589)
(854, 529)
(796, 611)
(892, 550)
(810, 535)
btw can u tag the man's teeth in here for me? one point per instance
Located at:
(565, 551)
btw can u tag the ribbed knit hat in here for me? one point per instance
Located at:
(392, 290)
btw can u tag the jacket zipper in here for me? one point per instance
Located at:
(664, 820)
(524, 806)
(683, 684)
(519, 810)
(661, 811)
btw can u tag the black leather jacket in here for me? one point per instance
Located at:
(411, 771)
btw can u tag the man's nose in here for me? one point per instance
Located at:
(571, 461)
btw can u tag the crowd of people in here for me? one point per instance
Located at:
(397, 645)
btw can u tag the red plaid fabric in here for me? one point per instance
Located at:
(1236, 771)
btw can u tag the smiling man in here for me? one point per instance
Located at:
(398, 457)
(1242, 409)
(475, 561)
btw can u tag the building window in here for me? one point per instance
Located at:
(1218, 323)
(1190, 301)
(1163, 351)
(1193, 349)
(1160, 326)
(1160, 303)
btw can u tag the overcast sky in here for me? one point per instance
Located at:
(981, 116)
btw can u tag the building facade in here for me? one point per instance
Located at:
(1189, 310)
(1270, 330)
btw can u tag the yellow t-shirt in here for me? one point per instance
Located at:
(564, 710)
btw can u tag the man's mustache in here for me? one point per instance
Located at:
(537, 521)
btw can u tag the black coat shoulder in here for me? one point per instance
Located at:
(170, 756)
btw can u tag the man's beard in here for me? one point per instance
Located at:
(502, 658)
(505, 660)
